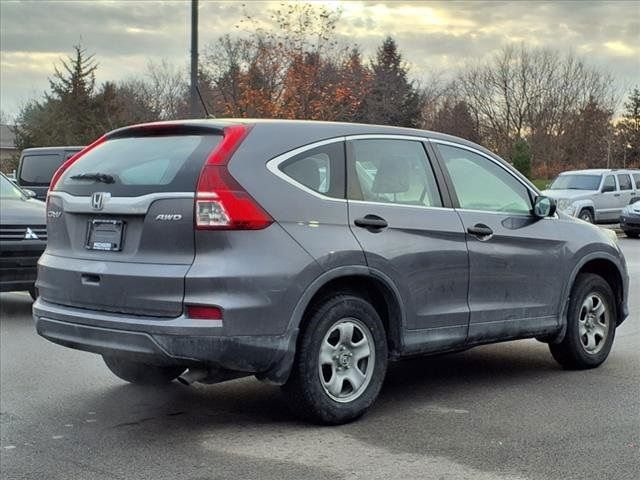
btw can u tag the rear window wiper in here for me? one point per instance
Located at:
(98, 177)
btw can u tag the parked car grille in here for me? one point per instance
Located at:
(23, 232)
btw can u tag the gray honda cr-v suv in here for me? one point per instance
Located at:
(310, 254)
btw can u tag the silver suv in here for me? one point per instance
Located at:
(595, 196)
(311, 254)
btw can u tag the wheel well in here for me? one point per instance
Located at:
(611, 275)
(587, 208)
(375, 291)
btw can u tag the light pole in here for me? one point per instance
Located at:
(194, 59)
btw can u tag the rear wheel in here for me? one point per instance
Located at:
(341, 361)
(632, 234)
(591, 324)
(142, 373)
(586, 215)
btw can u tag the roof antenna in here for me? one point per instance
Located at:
(204, 105)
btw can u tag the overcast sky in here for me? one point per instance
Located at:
(434, 36)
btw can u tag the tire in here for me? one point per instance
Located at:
(33, 291)
(632, 234)
(588, 339)
(319, 388)
(142, 373)
(586, 215)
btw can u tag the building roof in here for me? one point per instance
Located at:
(7, 137)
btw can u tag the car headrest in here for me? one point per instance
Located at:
(393, 176)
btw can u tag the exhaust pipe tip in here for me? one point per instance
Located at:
(193, 375)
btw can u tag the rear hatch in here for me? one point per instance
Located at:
(120, 222)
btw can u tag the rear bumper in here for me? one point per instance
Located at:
(177, 341)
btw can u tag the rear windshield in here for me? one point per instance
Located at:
(140, 165)
(39, 169)
(576, 182)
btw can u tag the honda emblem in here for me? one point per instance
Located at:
(97, 200)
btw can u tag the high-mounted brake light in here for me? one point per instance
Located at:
(72, 160)
(221, 203)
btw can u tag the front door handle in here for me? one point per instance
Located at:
(371, 222)
(481, 231)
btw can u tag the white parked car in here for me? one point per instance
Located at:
(596, 195)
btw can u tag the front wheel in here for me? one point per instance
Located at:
(341, 361)
(591, 324)
(586, 216)
(142, 373)
(631, 234)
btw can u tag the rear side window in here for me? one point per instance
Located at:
(392, 171)
(141, 165)
(625, 182)
(39, 169)
(636, 179)
(609, 184)
(320, 169)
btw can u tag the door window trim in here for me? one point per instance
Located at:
(273, 166)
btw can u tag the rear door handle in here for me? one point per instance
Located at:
(371, 222)
(480, 230)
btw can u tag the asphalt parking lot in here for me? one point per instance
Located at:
(497, 412)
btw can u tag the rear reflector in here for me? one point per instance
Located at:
(200, 312)
(221, 202)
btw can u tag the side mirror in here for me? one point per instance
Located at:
(29, 193)
(544, 206)
(608, 188)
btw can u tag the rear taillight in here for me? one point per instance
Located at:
(221, 203)
(72, 160)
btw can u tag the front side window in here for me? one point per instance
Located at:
(480, 184)
(625, 182)
(320, 169)
(8, 190)
(609, 184)
(392, 171)
(636, 179)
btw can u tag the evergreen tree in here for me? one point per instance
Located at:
(628, 132)
(71, 112)
(521, 157)
(392, 100)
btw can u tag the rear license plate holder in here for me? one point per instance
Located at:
(105, 235)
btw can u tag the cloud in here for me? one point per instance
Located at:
(433, 35)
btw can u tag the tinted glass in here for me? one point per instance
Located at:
(320, 169)
(141, 165)
(576, 182)
(8, 190)
(609, 183)
(392, 171)
(481, 184)
(625, 182)
(636, 179)
(39, 169)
